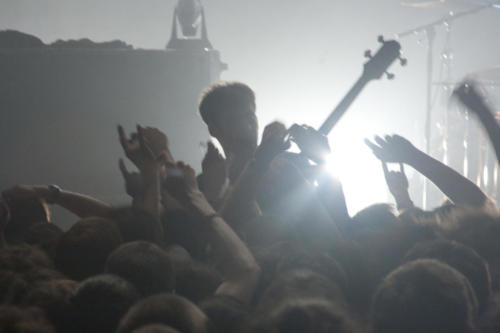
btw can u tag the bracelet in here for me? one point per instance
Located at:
(54, 194)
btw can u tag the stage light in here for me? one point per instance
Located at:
(189, 15)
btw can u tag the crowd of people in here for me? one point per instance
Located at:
(260, 241)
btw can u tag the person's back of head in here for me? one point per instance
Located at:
(144, 264)
(83, 249)
(296, 284)
(226, 313)
(479, 230)
(100, 301)
(224, 97)
(463, 259)
(155, 328)
(307, 315)
(24, 320)
(171, 310)
(21, 267)
(45, 236)
(53, 297)
(424, 295)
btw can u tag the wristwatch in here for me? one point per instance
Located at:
(54, 194)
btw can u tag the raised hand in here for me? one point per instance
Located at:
(392, 149)
(181, 181)
(137, 149)
(158, 142)
(273, 142)
(312, 143)
(396, 180)
(134, 184)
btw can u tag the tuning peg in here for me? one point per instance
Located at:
(390, 76)
(403, 61)
(368, 54)
(380, 39)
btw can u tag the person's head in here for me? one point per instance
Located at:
(297, 284)
(82, 250)
(228, 109)
(227, 313)
(463, 259)
(155, 328)
(24, 320)
(424, 295)
(307, 315)
(53, 297)
(100, 301)
(171, 310)
(144, 264)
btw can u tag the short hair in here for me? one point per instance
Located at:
(307, 315)
(100, 301)
(155, 328)
(53, 297)
(82, 250)
(463, 259)
(171, 310)
(222, 97)
(23, 320)
(424, 295)
(144, 264)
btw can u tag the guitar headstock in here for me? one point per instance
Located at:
(382, 60)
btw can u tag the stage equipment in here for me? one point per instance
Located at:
(447, 57)
(60, 107)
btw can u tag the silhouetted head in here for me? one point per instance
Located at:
(53, 297)
(306, 315)
(228, 109)
(99, 302)
(155, 328)
(82, 250)
(297, 284)
(424, 296)
(463, 259)
(144, 264)
(24, 320)
(171, 310)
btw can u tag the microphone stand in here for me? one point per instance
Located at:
(430, 32)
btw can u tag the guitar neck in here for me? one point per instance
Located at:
(342, 107)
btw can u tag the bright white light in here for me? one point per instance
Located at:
(355, 166)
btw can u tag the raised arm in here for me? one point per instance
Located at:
(470, 97)
(240, 270)
(241, 203)
(79, 204)
(138, 150)
(459, 189)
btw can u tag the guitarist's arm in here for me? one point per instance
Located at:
(459, 189)
(468, 95)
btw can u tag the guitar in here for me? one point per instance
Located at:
(373, 69)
